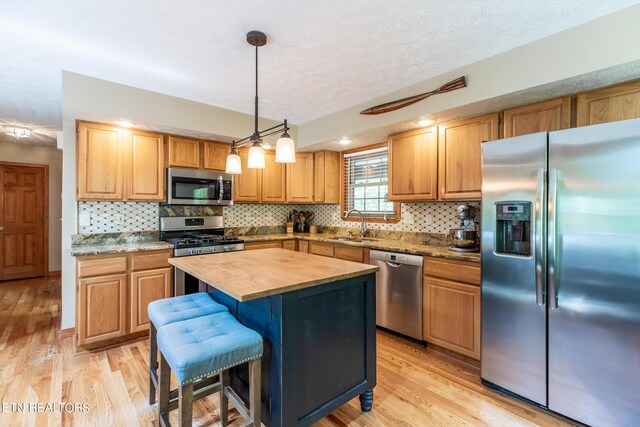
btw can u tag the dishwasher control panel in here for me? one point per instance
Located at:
(395, 257)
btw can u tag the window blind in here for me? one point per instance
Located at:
(365, 178)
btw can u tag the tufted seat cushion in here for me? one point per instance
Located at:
(199, 347)
(176, 309)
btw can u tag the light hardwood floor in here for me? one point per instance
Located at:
(416, 386)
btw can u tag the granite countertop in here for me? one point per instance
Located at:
(115, 248)
(244, 276)
(380, 244)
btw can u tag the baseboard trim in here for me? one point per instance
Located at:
(54, 273)
(65, 333)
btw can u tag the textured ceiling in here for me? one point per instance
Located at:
(321, 57)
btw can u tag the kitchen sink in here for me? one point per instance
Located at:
(350, 239)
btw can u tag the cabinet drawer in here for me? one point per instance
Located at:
(324, 249)
(289, 244)
(460, 271)
(150, 260)
(98, 266)
(261, 245)
(350, 253)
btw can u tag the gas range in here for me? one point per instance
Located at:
(197, 235)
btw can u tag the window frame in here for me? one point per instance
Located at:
(343, 188)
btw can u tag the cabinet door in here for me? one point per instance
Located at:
(215, 155)
(326, 170)
(289, 244)
(609, 104)
(324, 249)
(300, 179)
(102, 305)
(273, 180)
(452, 316)
(554, 114)
(100, 164)
(460, 156)
(145, 166)
(303, 246)
(246, 186)
(147, 286)
(349, 253)
(183, 152)
(262, 245)
(413, 165)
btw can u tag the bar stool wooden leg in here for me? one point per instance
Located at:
(255, 372)
(224, 401)
(185, 404)
(164, 383)
(153, 362)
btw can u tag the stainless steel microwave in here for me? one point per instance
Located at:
(198, 187)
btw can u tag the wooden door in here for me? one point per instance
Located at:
(246, 186)
(215, 155)
(554, 114)
(147, 286)
(102, 305)
(452, 316)
(22, 221)
(145, 171)
(326, 171)
(460, 156)
(100, 159)
(273, 179)
(413, 165)
(300, 179)
(609, 104)
(183, 152)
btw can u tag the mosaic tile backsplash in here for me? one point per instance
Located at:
(120, 217)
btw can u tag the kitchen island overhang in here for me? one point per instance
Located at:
(317, 318)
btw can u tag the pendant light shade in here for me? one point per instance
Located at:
(234, 165)
(285, 149)
(256, 157)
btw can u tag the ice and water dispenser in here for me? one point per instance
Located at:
(513, 228)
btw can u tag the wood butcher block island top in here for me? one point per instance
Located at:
(248, 275)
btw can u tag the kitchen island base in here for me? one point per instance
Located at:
(319, 349)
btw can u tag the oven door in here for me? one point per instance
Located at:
(196, 187)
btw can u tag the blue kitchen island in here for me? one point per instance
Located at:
(317, 318)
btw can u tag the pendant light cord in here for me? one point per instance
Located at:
(256, 116)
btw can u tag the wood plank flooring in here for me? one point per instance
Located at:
(416, 386)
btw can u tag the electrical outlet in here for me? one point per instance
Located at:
(428, 220)
(84, 219)
(119, 219)
(410, 218)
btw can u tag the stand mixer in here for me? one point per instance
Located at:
(465, 238)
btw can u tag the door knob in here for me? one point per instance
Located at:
(1, 228)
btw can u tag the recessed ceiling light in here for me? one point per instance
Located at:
(423, 122)
(125, 123)
(344, 140)
(17, 131)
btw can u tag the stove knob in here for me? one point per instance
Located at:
(212, 250)
(230, 248)
(190, 251)
(198, 251)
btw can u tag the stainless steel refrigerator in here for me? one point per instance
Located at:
(561, 270)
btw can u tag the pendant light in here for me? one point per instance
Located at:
(285, 147)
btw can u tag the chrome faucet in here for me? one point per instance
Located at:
(363, 225)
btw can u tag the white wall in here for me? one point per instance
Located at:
(43, 155)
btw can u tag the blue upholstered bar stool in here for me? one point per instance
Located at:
(170, 310)
(199, 348)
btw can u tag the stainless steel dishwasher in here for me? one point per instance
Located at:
(399, 292)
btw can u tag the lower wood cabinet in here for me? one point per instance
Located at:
(262, 245)
(113, 292)
(323, 249)
(451, 306)
(303, 246)
(289, 244)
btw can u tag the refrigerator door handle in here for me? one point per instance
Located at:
(539, 231)
(552, 294)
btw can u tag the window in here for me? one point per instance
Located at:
(365, 178)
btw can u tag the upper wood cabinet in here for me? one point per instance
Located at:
(460, 156)
(273, 180)
(554, 114)
(609, 104)
(413, 165)
(100, 162)
(215, 155)
(300, 179)
(326, 171)
(247, 185)
(183, 152)
(145, 171)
